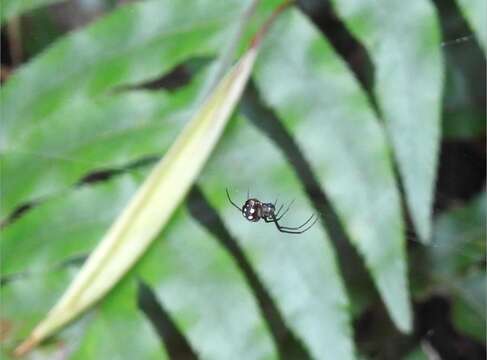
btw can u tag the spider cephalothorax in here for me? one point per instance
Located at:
(254, 210)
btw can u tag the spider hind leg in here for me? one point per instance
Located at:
(294, 230)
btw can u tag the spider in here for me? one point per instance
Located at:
(254, 210)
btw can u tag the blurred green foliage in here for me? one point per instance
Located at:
(457, 262)
(82, 110)
(11, 8)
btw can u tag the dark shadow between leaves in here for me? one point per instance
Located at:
(461, 170)
(345, 44)
(106, 174)
(356, 277)
(288, 346)
(175, 343)
(179, 76)
(434, 325)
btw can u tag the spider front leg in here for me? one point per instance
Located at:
(231, 201)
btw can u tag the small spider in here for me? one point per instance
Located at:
(254, 210)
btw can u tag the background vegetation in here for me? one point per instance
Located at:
(371, 116)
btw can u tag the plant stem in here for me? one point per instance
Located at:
(257, 39)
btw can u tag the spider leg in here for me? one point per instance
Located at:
(231, 202)
(300, 226)
(290, 230)
(279, 217)
(275, 202)
(278, 210)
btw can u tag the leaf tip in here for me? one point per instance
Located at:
(403, 320)
(26, 346)
(423, 228)
(406, 327)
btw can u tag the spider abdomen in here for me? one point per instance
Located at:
(252, 210)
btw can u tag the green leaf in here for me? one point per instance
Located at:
(11, 8)
(299, 271)
(67, 226)
(320, 102)
(24, 302)
(475, 11)
(468, 307)
(135, 228)
(464, 123)
(205, 293)
(117, 329)
(459, 240)
(137, 42)
(45, 163)
(193, 277)
(456, 262)
(97, 335)
(283, 265)
(404, 41)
